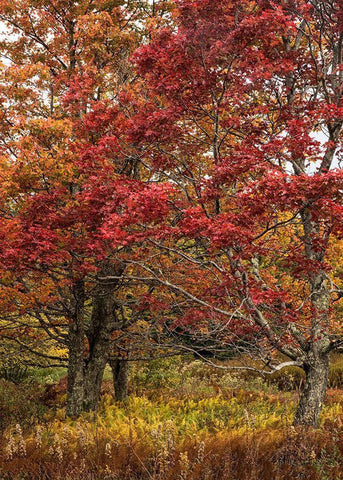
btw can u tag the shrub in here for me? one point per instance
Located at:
(336, 376)
(292, 378)
(13, 372)
(20, 404)
(288, 379)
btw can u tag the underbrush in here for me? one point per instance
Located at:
(197, 378)
(292, 378)
(245, 437)
(20, 404)
(182, 421)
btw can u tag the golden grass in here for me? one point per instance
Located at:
(206, 426)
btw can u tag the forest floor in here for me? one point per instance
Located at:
(183, 420)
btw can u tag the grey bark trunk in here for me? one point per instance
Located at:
(120, 371)
(317, 357)
(313, 396)
(94, 373)
(93, 381)
(102, 324)
(99, 343)
(75, 383)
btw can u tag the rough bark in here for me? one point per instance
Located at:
(317, 358)
(317, 353)
(75, 385)
(99, 343)
(103, 322)
(93, 380)
(120, 371)
(313, 396)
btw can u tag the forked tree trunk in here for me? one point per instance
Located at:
(120, 371)
(99, 333)
(75, 385)
(99, 344)
(313, 396)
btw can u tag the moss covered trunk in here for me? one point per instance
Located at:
(103, 322)
(313, 395)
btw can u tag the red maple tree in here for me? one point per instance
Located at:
(245, 118)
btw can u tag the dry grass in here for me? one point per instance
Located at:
(206, 427)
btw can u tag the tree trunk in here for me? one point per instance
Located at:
(99, 344)
(93, 381)
(75, 384)
(317, 357)
(120, 371)
(102, 324)
(94, 374)
(313, 396)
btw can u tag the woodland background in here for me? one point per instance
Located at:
(171, 239)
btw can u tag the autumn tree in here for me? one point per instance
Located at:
(211, 182)
(63, 151)
(244, 119)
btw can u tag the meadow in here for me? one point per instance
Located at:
(183, 420)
